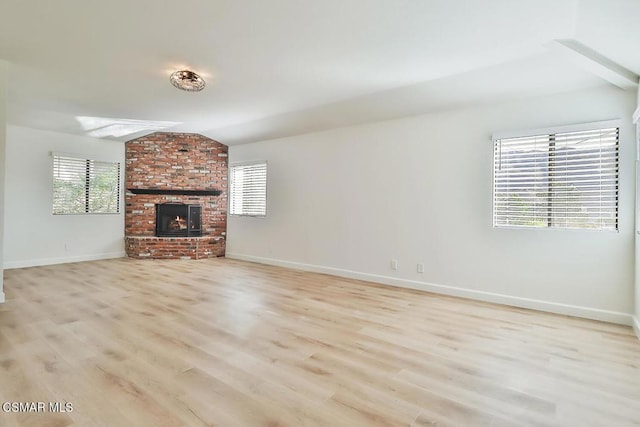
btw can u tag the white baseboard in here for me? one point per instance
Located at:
(534, 304)
(636, 326)
(62, 260)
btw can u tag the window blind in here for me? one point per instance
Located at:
(248, 189)
(560, 180)
(84, 186)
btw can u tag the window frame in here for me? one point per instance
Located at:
(604, 124)
(87, 183)
(266, 188)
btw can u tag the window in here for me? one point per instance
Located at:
(560, 179)
(85, 186)
(248, 194)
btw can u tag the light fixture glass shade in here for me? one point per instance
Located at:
(187, 80)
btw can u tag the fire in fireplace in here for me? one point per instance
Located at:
(178, 220)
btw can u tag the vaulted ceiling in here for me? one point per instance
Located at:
(282, 67)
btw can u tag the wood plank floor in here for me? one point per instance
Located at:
(222, 342)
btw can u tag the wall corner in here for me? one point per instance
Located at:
(3, 155)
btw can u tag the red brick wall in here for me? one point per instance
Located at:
(174, 247)
(175, 161)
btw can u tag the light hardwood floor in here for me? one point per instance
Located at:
(223, 342)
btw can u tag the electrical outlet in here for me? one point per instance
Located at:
(394, 264)
(420, 267)
(66, 247)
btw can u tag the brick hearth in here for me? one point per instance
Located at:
(175, 161)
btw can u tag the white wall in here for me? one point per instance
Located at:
(3, 134)
(418, 189)
(637, 237)
(33, 235)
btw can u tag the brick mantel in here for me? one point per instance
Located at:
(177, 168)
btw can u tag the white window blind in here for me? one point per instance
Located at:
(560, 180)
(84, 186)
(248, 189)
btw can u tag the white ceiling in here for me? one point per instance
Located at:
(283, 67)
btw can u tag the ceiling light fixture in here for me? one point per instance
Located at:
(187, 80)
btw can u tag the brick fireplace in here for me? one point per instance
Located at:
(175, 172)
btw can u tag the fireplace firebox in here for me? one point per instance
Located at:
(178, 220)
